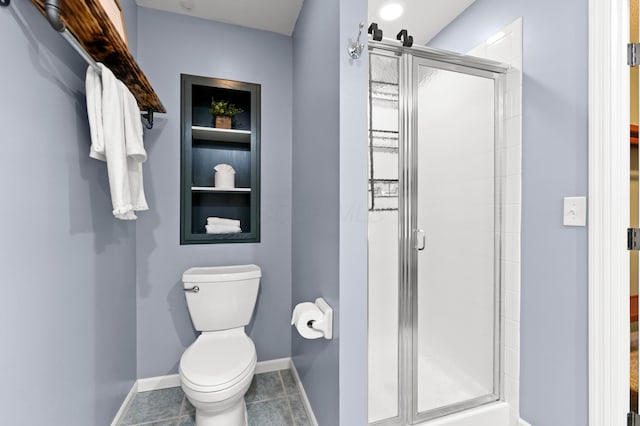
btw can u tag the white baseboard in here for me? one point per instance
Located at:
(303, 395)
(127, 401)
(523, 423)
(273, 365)
(159, 382)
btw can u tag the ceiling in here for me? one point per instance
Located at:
(422, 18)
(278, 16)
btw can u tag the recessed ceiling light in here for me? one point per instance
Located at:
(497, 36)
(391, 11)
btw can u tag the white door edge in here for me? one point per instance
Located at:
(608, 212)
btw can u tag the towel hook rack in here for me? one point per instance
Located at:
(355, 50)
(149, 117)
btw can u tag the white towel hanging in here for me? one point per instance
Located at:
(117, 138)
(93, 85)
(136, 154)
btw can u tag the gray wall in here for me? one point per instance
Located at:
(67, 311)
(316, 196)
(130, 13)
(353, 332)
(553, 388)
(169, 45)
(329, 205)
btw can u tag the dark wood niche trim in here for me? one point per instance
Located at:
(91, 26)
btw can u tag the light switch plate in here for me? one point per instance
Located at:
(575, 211)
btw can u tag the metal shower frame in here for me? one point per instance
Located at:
(408, 270)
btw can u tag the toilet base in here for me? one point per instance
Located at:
(234, 416)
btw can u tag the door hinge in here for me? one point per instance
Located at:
(632, 54)
(633, 419)
(633, 241)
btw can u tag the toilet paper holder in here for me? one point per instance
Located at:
(324, 324)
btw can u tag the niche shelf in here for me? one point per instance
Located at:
(226, 135)
(205, 146)
(214, 189)
(91, 26)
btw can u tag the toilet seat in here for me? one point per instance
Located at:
(218, 361)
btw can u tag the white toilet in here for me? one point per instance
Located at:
(217, 369)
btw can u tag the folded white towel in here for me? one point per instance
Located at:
(222, 221)
(136, 154)
(222, 229)
(93, 84)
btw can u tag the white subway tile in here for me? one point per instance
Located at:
(511, 218)
(511, 278)
(513, 160)
(500, 51)
(512, 189)
(514, 417)
(513, 131)
(511, 334)
(514, 79)
(510, 386)
(511, 363)
(513, 103)
(479, 51)
(512, 306)
(511, 247)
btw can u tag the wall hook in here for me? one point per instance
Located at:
(355, 50)
(5, 3)
(375, 32)
(149, 117)
(407, 40)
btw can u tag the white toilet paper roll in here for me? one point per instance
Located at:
(303, 313)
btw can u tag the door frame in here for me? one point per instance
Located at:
(608, 212)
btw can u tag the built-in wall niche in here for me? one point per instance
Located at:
(205, 146)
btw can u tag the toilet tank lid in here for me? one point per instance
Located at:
(221, 273)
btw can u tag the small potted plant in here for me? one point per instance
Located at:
(223, 111)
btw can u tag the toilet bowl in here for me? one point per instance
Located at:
(217, 369)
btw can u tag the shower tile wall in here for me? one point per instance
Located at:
(508, 50)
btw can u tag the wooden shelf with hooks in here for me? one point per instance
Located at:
(91, 26)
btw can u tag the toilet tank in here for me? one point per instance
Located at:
(225, 297)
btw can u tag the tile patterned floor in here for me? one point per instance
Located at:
(272, 400)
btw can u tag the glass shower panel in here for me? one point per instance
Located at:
(456, 331)
(383, 237)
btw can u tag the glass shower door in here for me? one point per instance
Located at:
(384, 116)
(456, 237)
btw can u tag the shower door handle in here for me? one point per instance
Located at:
(421, 239)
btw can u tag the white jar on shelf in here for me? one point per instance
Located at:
(225, 176)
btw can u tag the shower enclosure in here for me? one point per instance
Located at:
(435, 154)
